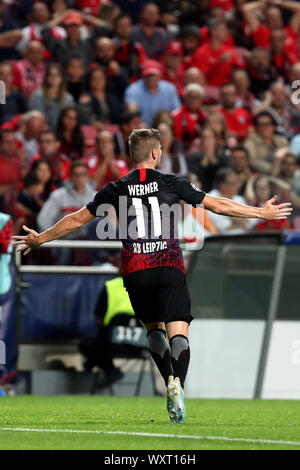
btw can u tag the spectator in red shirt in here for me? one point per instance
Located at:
(190, 116)
(237, 119)
(215, 59)
(190, 40)
(128, 54)
(260, 33)
(50, 152)
(103, 166)
(172, 65)
(29, 73)
(282, 56)
(216, 12)
(10, 171)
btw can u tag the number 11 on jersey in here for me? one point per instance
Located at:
(138, 205)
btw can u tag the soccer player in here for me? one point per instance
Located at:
(153, 268)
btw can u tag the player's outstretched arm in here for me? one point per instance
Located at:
(269, 211)
(64, 227)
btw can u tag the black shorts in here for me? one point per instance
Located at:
(159, 295)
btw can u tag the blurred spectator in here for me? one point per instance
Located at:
(147, 33)
(284, 165)
(286, 116)
(7, 25)
(29, 201)
(286, 178)
(263, 143)
(190, 40)
(172, 66)
(99, 106)
(238, 120)
(63, 49)
(282, 57)
(15, 102)
(261, 189)
(216, 13)
(10, 171)
(240, 164)
(128, 54)
(104, 166)
(31, 126)
(189, 118)
(42, 169)
(227, 185)
(130, 120)
(69, 133)
(75, 194)
(29, 73)
(208, 161)
(162, 116)
(261, 33)
(151, 94)
(52, 96)
(215, 59)
(260, 71)
(50, 152)
(216, 121)
(245, 98)
(173, 161)
(39, 17)
(117, 77)
(193, 75)
(108, 13)
(75, 77)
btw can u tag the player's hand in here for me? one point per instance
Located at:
(272, 211)
(27, 242)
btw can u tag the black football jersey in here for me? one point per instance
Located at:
(147, 205)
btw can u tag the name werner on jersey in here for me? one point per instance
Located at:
(142, 189)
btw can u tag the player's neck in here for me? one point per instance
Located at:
(141, 165)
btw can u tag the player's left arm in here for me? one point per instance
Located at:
(64, 227)
(269, 211)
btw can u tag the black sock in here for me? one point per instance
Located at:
(180, 356)
(160, 352)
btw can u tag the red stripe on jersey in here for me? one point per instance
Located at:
(142, 174)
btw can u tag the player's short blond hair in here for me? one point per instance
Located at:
(142, 142)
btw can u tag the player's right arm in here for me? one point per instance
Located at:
(65, 226)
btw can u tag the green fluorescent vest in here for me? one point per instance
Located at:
(117, 300)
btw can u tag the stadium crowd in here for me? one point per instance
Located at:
(218, 78)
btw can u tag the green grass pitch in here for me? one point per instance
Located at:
(245, 419)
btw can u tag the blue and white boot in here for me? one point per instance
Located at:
(175, 401)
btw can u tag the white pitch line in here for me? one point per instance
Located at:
(147, 434)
